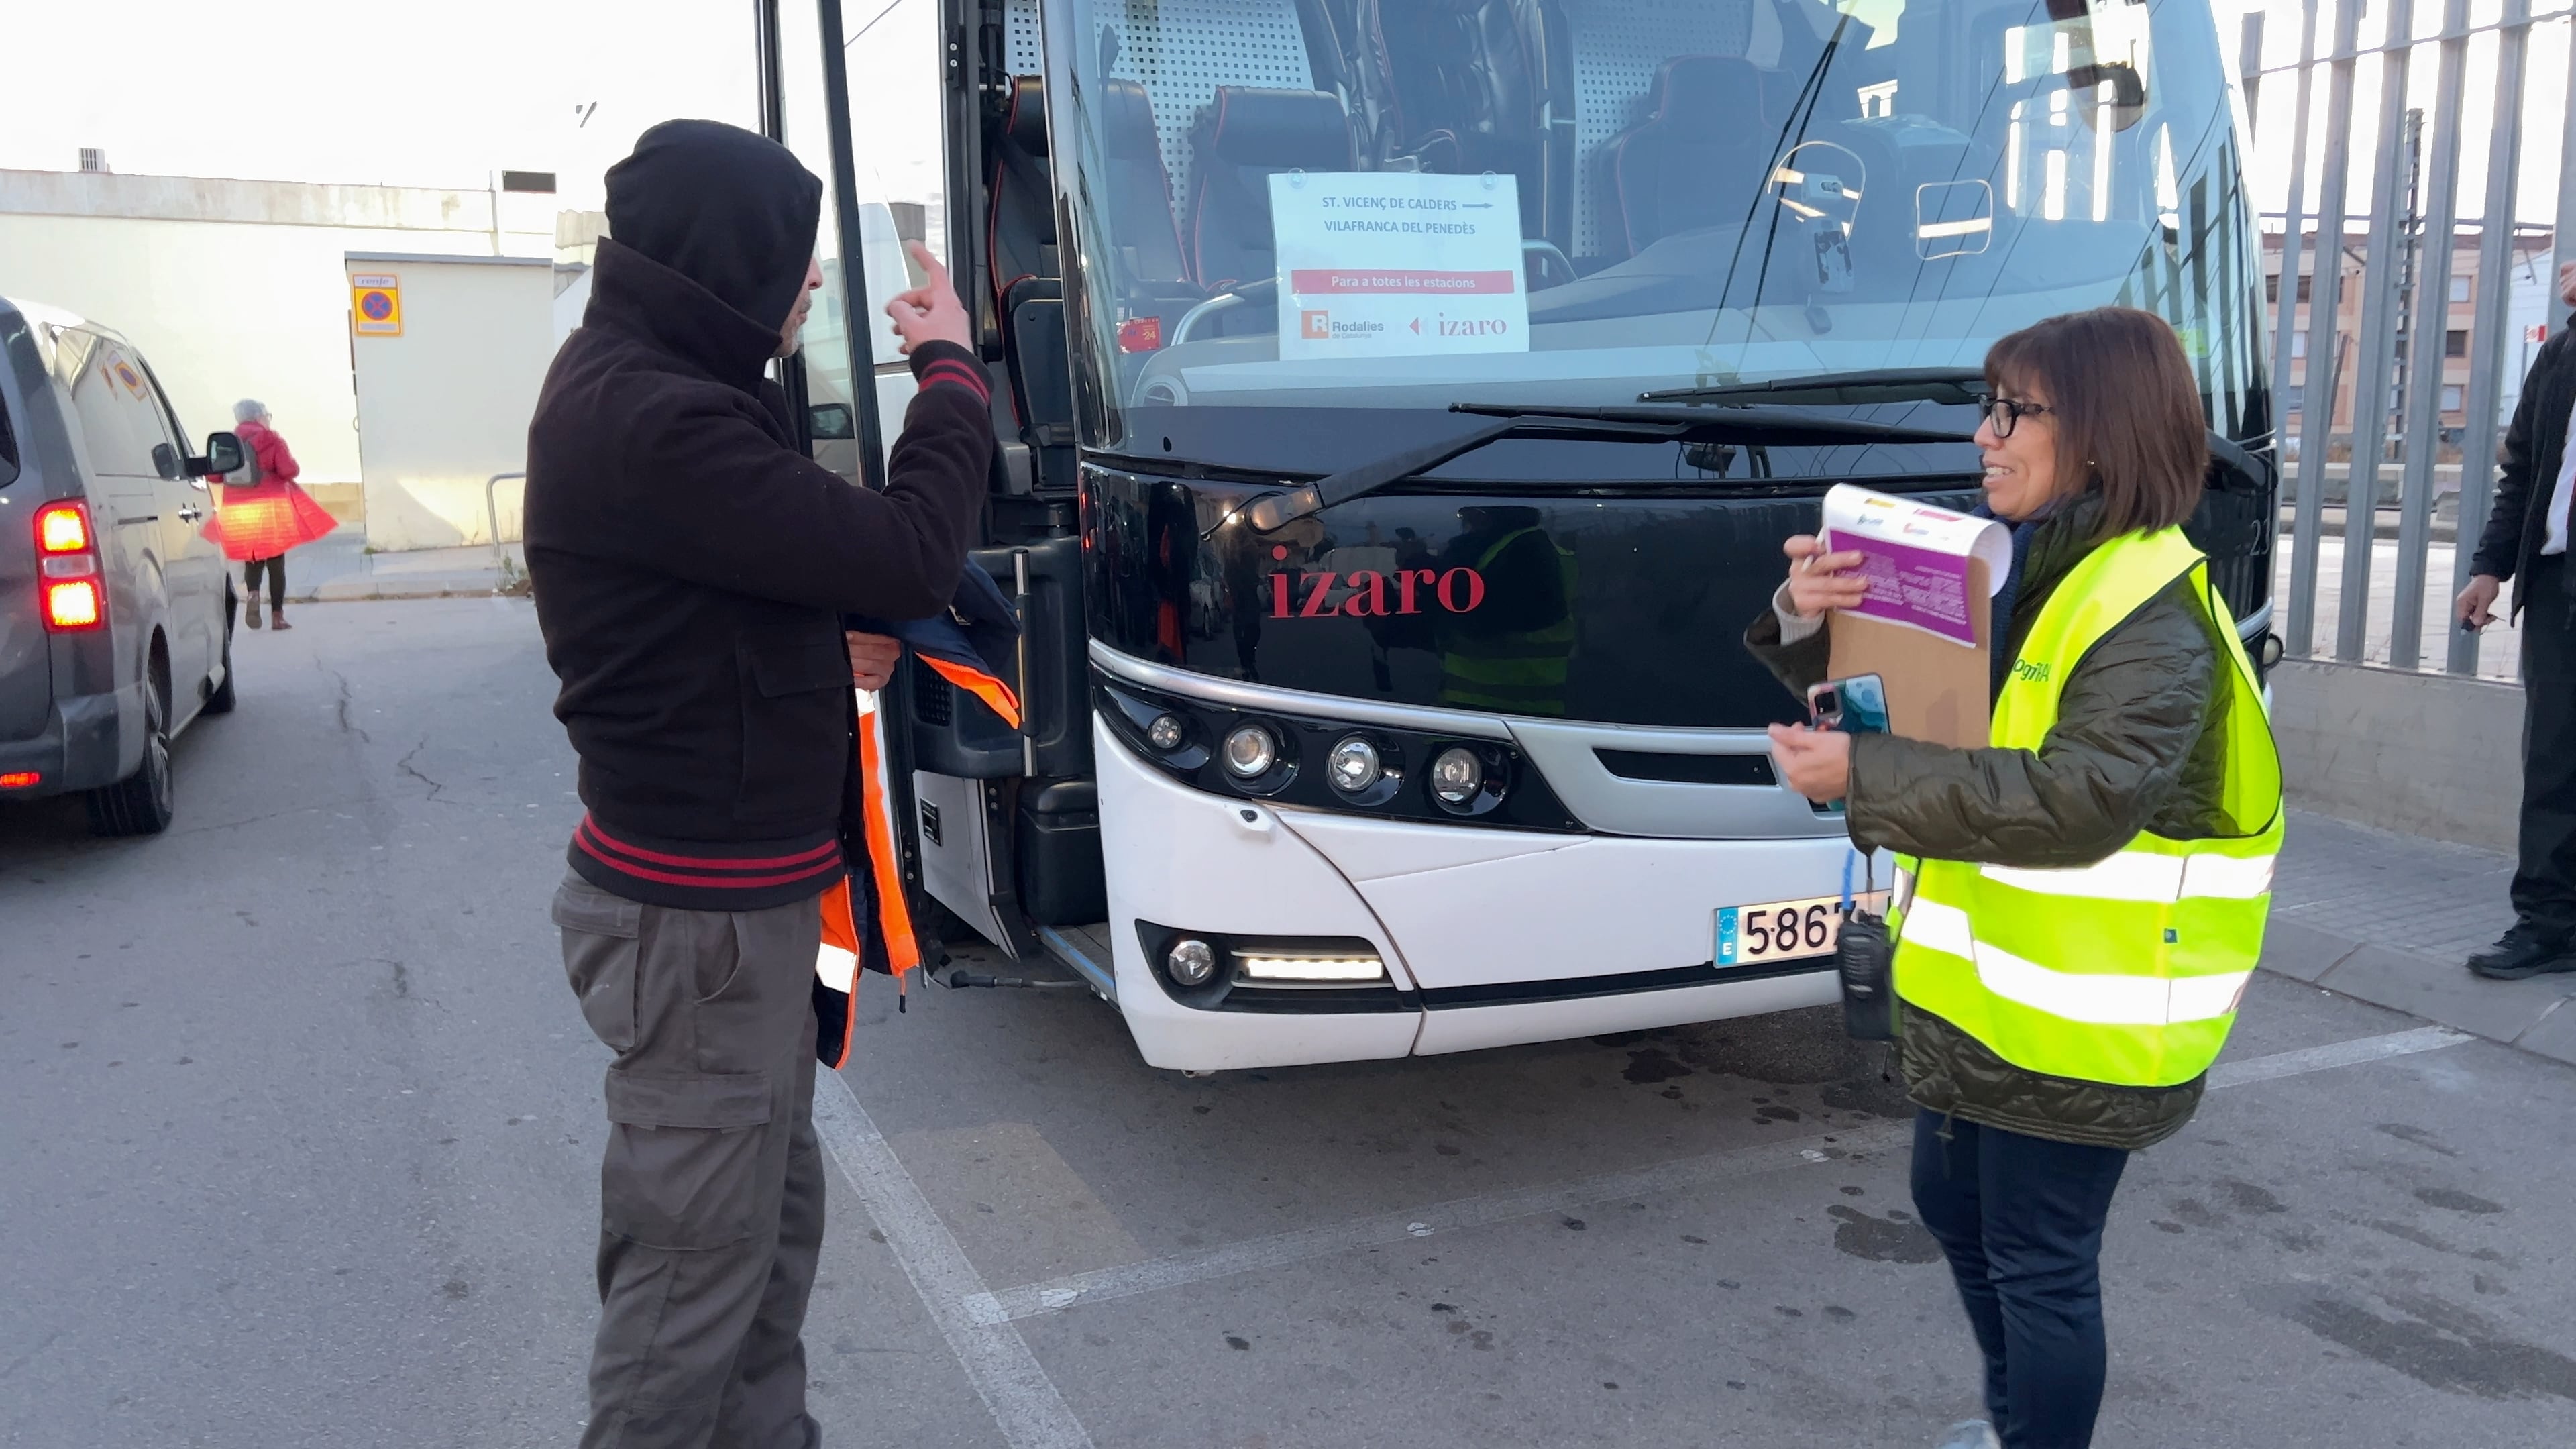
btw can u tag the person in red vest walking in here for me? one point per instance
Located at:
(263, 513)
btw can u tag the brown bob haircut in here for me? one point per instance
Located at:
(2126, 407)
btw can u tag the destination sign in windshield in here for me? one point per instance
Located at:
(1396, 264)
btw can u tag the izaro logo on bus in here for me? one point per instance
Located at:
(1371, 593)
(1398, 264)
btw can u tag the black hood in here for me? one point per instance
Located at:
(731, 211)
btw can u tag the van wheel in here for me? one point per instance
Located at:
(143, 802)
(223, 699)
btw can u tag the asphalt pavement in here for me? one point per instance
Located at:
(302, 1134)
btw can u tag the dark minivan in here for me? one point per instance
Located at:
(115, 610)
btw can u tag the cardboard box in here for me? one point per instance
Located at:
(1937, 689)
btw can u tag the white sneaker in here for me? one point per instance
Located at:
(1972, 1434)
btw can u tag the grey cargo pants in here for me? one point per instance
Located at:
(711, 1194)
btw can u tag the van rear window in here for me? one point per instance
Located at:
(8, 448)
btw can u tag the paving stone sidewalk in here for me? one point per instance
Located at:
(338, 568)
(2388, 919)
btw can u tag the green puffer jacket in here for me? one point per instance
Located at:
(2133, 749)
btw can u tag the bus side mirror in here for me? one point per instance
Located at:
(831, 422)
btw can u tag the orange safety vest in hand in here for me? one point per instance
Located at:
(890, 946)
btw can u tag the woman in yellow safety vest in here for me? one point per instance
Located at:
(2079, 904)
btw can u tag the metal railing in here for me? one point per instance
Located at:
(2410, 232)
(492, 512)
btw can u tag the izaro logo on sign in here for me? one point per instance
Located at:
(1398, 264)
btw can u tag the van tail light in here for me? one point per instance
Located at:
(62, 528)
(21, 780)
(73, 605)
(70, 572)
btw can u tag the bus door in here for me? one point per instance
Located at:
(922, 139)
(1006, 821)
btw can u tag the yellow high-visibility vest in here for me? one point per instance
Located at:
(2129, 970)
(1520, 672)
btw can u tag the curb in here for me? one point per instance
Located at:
(350, 591)
(2533, 1015)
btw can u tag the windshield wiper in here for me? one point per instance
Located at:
(1781, 427)
(1861, 385)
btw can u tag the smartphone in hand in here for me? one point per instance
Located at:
(1857, 705)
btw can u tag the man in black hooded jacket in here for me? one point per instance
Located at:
(691, 568)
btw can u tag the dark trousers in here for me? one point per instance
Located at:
(2544, 879)
(711, 1194)
(2021, 1220)
(276, 568)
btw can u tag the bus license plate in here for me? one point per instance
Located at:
(1784, 930)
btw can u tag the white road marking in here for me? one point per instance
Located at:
(1023, 1400)
(2334, 1054)
(1127, 1280)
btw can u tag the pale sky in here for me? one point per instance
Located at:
(442, 94)
(419, 94)
(2545, 79)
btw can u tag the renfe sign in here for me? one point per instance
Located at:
(1398, 264)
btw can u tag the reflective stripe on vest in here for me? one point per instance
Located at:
(2128, 970)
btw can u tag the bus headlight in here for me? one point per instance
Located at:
(1330, 970)
(1354, 765)
(1250, 751)
(1191, 962)
(1166, 732)
(1457, 776)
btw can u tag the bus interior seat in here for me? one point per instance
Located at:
(1246, 135)
(1466, 83)
(1026, 294)
(1151, 266)
(1020, 227)
(1697, 156)
(1139, 188)
(1041, 377)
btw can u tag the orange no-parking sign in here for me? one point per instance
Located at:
(375, 305)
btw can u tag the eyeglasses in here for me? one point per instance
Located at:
(2003, 412)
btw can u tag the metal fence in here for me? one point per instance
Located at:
(2409, 236)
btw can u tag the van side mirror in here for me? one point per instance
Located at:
(223, 455)
(831, 422)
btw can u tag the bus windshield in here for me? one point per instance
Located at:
(1373, 204)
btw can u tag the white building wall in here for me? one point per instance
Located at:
(444, 405)
(237, 289)
(2526, 324)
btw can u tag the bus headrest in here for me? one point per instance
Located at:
(1257, 126)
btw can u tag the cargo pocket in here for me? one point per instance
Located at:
(683, 1163)
(601, 939)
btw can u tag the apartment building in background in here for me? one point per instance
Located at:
(2526, 320)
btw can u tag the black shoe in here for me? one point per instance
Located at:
(2526, 950)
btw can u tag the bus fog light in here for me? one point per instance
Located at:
(1355, 766)
(1191, 962)
(1166, 732)
(1312, 968)
(1458, 775)
(1250, 752)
